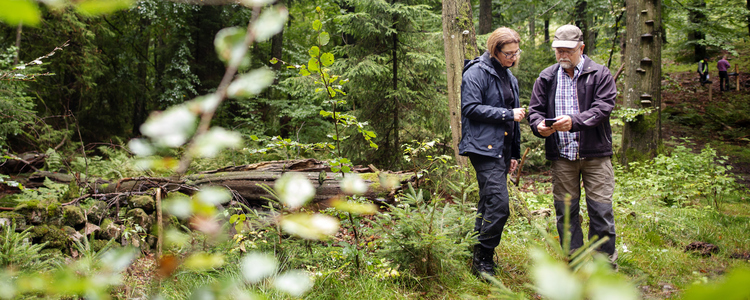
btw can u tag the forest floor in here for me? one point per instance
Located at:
(687, 112)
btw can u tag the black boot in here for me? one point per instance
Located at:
(483, 261)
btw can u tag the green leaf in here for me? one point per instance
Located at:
(252, 83)
(100, 7)
(732, 286)
(355, 208)
(175, 237)
(353, 184)
(273, 61)
(230, 43)
(233, 219)
(346, 169)
(257, 266)
(254, 3)
(270, 22)
(294, 189)
(323, 38)
(327, 59)
(172, 127)
(317, 25)
(293, 282)
(213, 195)
(553, 279)
(209, 144)
(310, 226)
(313, 65)
(14, 12)
(314, 51)
(204, 261)
(331, 92)
(118, 259)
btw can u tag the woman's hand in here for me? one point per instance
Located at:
(513, 166)
(519, 114)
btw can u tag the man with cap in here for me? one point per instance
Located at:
(570, 107)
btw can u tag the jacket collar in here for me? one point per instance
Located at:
(587, 68)
(485, 62)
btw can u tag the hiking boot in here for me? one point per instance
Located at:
(483, 261)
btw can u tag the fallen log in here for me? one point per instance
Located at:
(246, 182)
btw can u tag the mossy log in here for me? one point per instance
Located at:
(246, 181)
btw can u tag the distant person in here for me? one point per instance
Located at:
(491, 137)
(722, 65)
(570, 108)
(703, 71)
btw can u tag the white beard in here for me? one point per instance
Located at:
(566, 64)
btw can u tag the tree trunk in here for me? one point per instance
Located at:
(532, 26)
(485, 16)
(641, 138)
(747, 5)
(139, 103)
(395, 149)
(697, 18)
(459, 41)
(583, 22)
(546, 29)
(277, 46)
(16, 59)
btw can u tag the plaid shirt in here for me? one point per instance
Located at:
(566, 103)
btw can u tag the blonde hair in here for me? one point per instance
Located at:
(499, 38)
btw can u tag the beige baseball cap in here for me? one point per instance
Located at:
(567, 36)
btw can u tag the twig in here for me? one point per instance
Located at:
(221, 92)
(622, 68)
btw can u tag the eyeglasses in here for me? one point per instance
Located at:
(567, 52)
(511, 55)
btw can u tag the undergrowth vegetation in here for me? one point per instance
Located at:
(682, 217)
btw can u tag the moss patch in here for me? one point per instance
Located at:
(97, 211)
(73, 215)
(144, 202)
(13, 217)
(52, 235)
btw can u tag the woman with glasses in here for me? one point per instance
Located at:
(491, 137)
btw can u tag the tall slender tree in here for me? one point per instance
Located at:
(485, 16)
(696, 17)
(459, 40)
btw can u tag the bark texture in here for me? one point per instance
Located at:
(641, 137)
(459, 41)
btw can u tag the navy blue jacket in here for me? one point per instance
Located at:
(596, 100)
(485, 119)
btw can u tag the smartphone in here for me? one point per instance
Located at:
(548, 122)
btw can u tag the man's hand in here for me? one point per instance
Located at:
(544, 130)
(519, 114)
(513, 166)
(563, 123)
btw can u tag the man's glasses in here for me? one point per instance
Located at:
(511, 55)
(567, 52)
